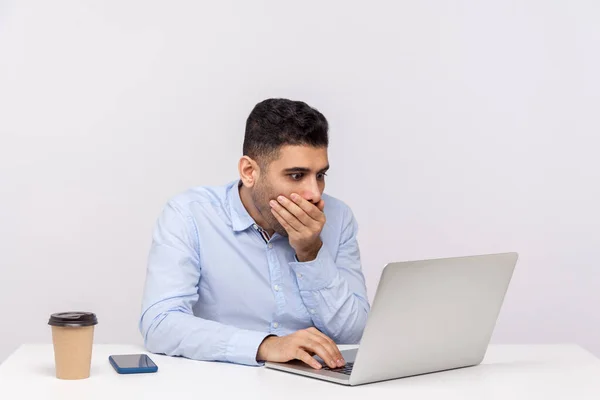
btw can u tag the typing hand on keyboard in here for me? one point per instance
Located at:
(301, 345)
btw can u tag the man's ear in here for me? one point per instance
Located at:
(249, 171)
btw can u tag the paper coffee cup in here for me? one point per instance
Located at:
(72, 336)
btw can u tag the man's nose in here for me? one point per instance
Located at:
(312, 192)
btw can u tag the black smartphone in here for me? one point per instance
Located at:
(132, 363)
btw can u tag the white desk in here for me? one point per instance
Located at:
(508, 372)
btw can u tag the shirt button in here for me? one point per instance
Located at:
(275, 325)
(276, 287)
(255, 226)
(270, 245)
(312, 311)
(299, 275)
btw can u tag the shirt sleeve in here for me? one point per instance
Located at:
(167, 323)
(333, 288)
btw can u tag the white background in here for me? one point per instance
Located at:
(457, 128)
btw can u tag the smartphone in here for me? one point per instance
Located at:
(132, 363)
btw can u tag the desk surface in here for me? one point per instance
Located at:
(508, 372)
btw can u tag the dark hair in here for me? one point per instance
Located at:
(277, 122)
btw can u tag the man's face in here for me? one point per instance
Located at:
(298, 169)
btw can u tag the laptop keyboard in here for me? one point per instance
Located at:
(346, 369)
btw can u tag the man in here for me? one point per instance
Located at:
(266, 268)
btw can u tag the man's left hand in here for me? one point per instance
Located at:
(303, 222)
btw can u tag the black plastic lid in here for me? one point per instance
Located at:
(73, 318)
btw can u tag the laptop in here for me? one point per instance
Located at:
(427, 316)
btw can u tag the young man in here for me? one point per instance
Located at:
(266, 268)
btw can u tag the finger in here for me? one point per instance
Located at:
(335, 349)
(308, 207)
(307, 358)
(313, 343)
(322, 335)
(331, 347)
(287, 216)
(295, 210)
(289, 229)
(321, 344)
(321, 205)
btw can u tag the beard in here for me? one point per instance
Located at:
(261, 195)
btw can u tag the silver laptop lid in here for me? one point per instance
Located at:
(432, 315)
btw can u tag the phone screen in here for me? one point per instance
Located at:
(133, 361)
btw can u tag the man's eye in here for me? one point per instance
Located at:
(296, 177)
(321, 176)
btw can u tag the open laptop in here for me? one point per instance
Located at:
(427, 316)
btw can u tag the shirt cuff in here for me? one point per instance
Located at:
(243, 347)
(317, 274)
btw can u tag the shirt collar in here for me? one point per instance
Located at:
(240, 219)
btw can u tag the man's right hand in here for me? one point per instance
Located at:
(301, 345)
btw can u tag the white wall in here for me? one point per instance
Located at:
(456, 129)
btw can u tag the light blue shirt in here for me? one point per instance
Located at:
(215, 287)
